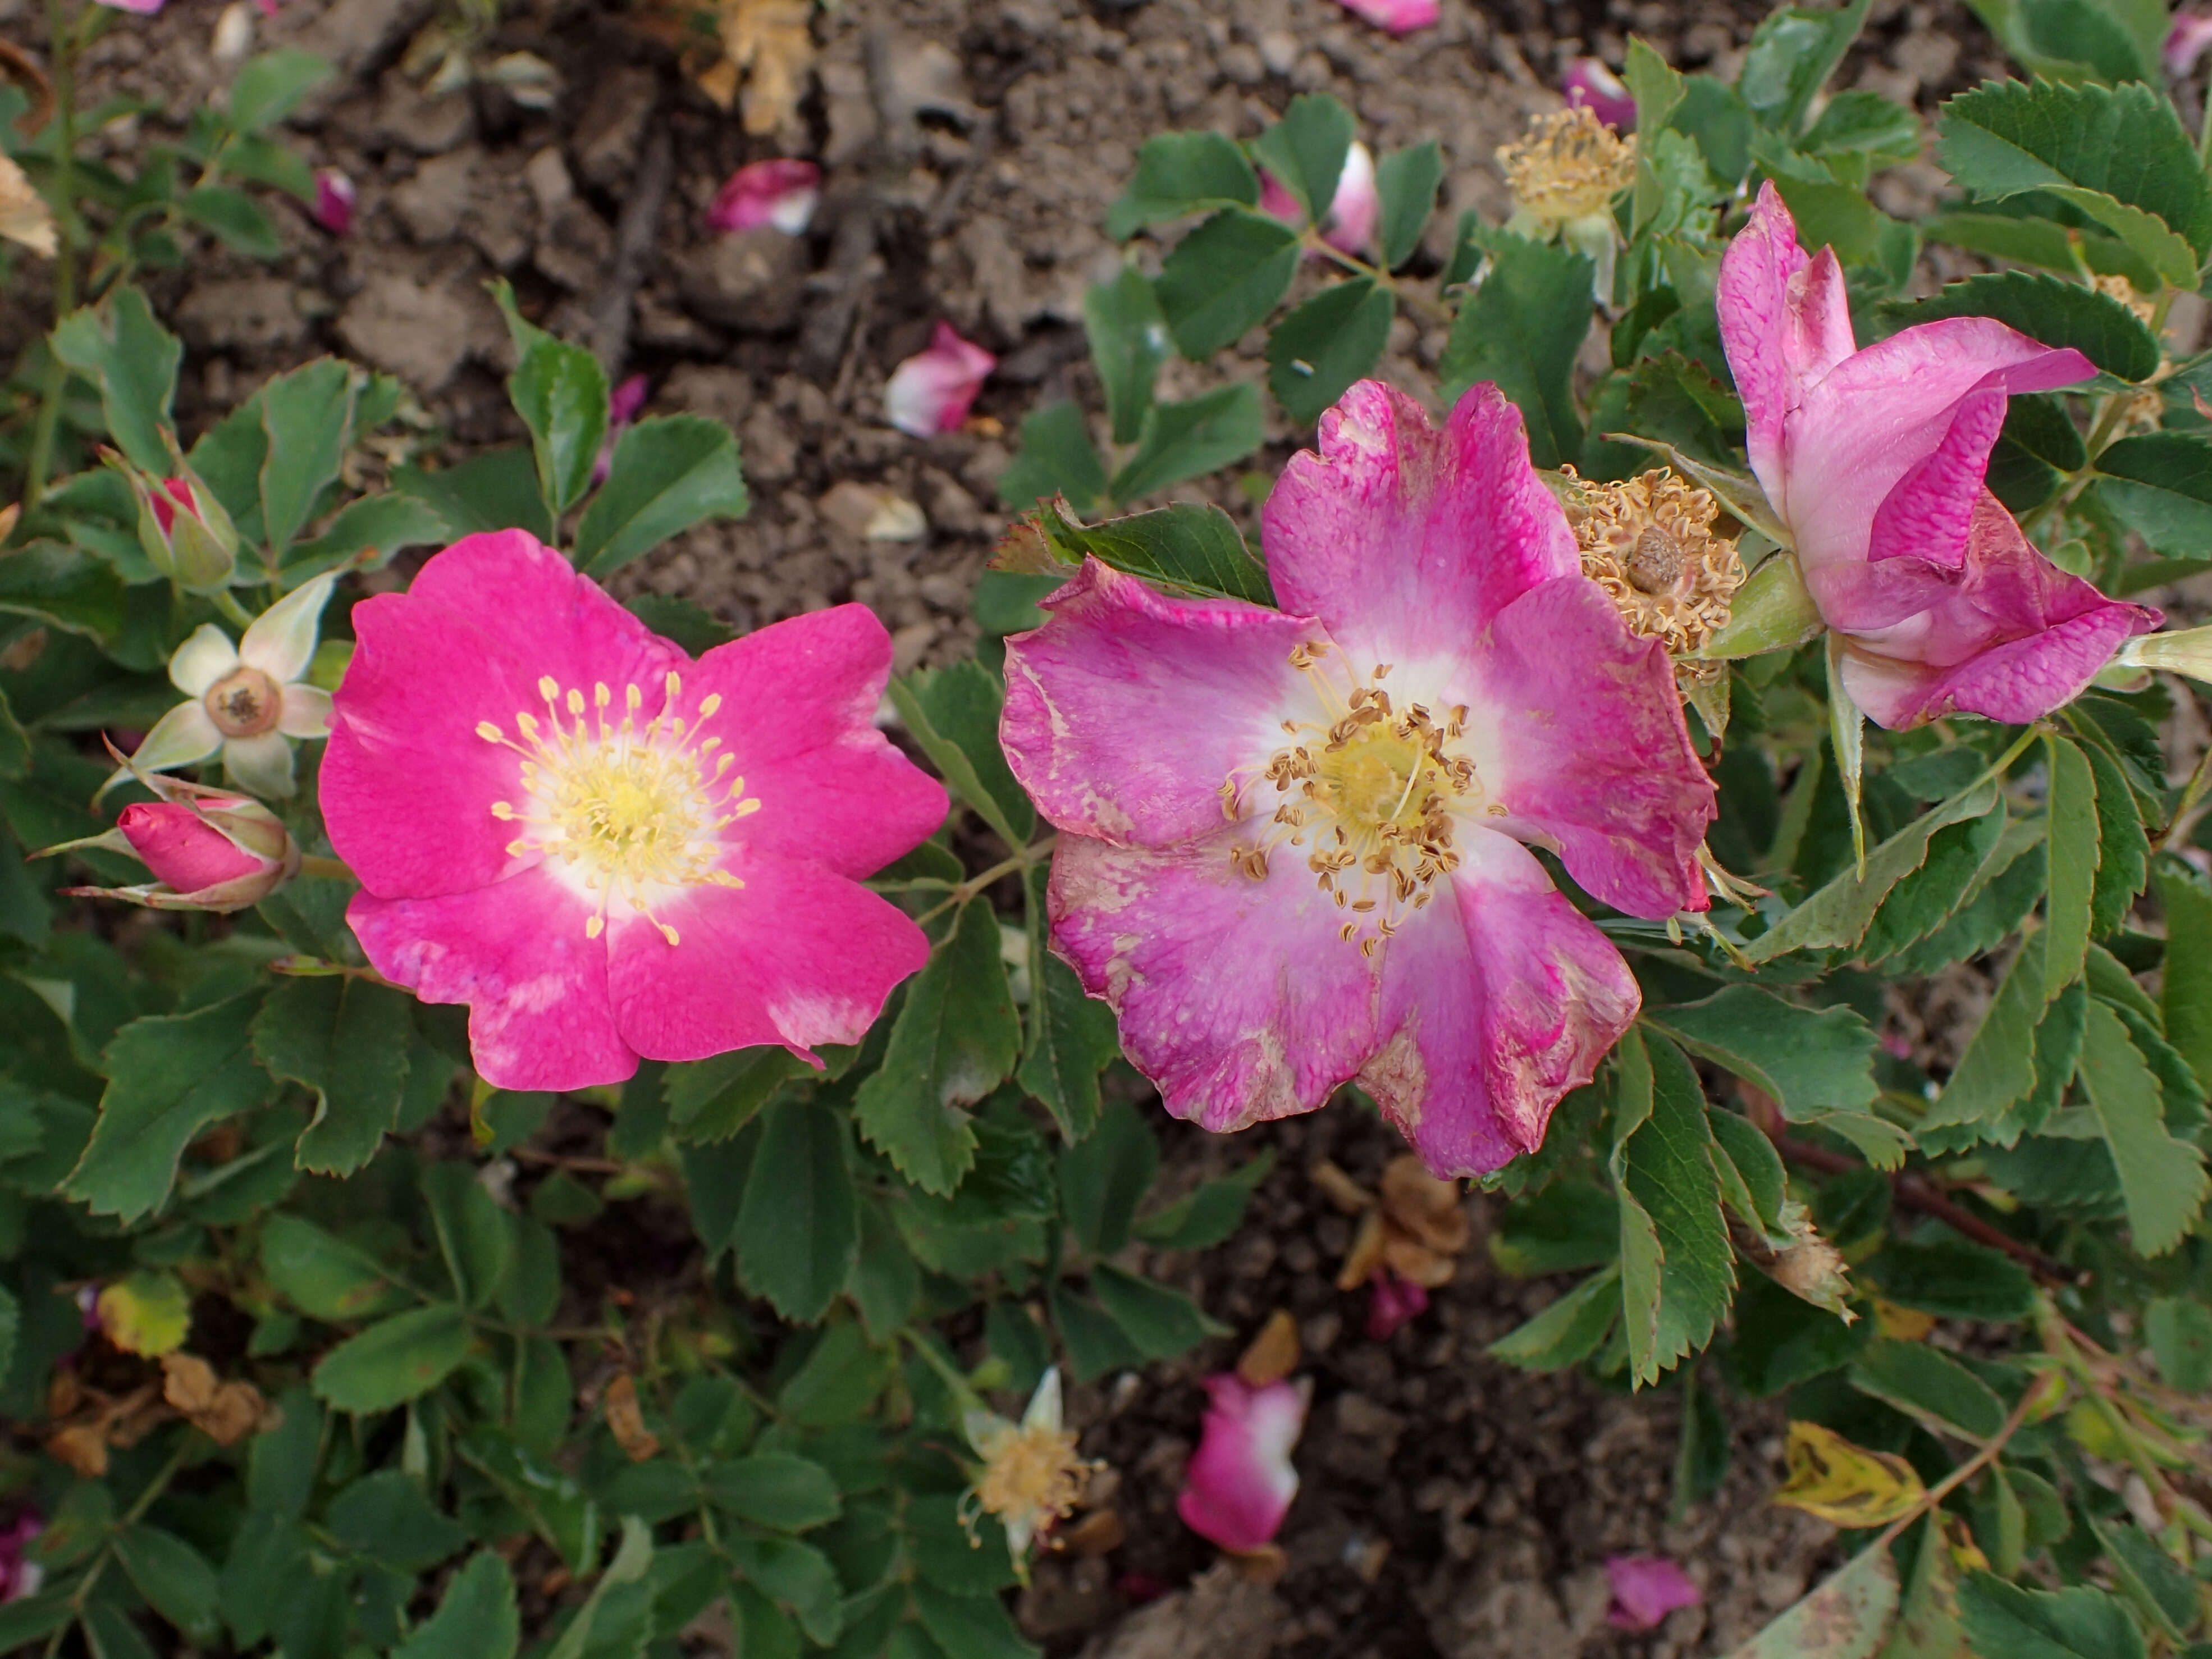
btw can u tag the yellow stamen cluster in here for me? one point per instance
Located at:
(1371, 792)
(1648, 543)
(1571, 166)
(633, 812)
(1032, 1474)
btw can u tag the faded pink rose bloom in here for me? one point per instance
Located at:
(334, 200)
(1589, 82)
(1392, 1300)
(606, 849)
(783, 193)
(1398, 16)
(623, 405)
(1645, 1590)
(932, 390)
(2185, 43)
(1874, 461)
(1292, 842)
(1240, 1482)
(1353, 211)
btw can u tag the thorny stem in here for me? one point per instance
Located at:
(62, 41)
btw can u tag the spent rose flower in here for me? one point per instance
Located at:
(1645, 1590)
(20, 1576)
(248, 700)
(1032, 1475)
(2185, 43)
(1398, 16)
(1874, 462)
(1589, 82)
(334, 201)
(1241, 1481)
(1353, 212)
(782, 193)
(606, 849)
(1563, 174)
(1334, 797)
(932, 390)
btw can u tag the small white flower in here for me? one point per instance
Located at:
(248, 699)
(1032, 1475)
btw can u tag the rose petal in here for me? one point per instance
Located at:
(782, 192)
(1589, 82)
(1645, 1590)
(932, 390)
(1406, 541)
(1241, 1481)
(1127, 710)
(515, 952)
(1398, 16)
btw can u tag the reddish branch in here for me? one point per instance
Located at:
(1915, 1192)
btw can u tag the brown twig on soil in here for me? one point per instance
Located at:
(1917, 1193)
(634, 236)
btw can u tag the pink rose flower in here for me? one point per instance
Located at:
(1645, 1590)
(1589, 82)
(931, 392)
(1240, 1482)
(1874, 461)
(606, 849)
(782, 193)
(1291, 848)
(1398, 16)
(334, 199)
(2185, 44)
(1353, 211)
(1392, 1300)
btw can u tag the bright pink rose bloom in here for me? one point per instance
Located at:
(1392, 1301)
(606, 849)
(1240, 1482)
(1353, 212)
(2185, 43)
(1589, 82)
(932, 390)
(334, 199)
(1645, 1590)
(1398, 16)
(1874, 461)
(783, 193)
(1291, 849)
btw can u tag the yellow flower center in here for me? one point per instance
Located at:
(1371, 792)
(632, 813)
(244, 704)
(1033, 1473)
(1571, 166)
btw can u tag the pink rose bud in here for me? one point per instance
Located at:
(334, 200)
(1241, 1482)
(1589, 82)
(185, 532)
(1645, 1590)
(208, 850)
(932, 390)
(169, 497)
(2185, 43)
(782, 193)
(1393, 1301)
(1398, 16)
(1348, 225)
(183, 848)
(623, 405)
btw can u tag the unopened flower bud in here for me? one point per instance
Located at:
(186, 534)
(208, 849)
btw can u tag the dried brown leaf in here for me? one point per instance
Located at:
(1272, 1354)
(627, 1421)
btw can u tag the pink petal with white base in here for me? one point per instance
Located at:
(1240, 1480)
(932, 390)
(1579, 745)
(1391, 1301)
(783, 192)
(1100, 726)
(1405, 541)
(1398, 16)
(1538, 995)
(1589, 82)
(516, 953)
(799, 957)
(1645, 1590)
(334, 201)
(1154, 935)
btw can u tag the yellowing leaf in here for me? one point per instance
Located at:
(146, 1313)
(1847, 1485)
(1905, 1324)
